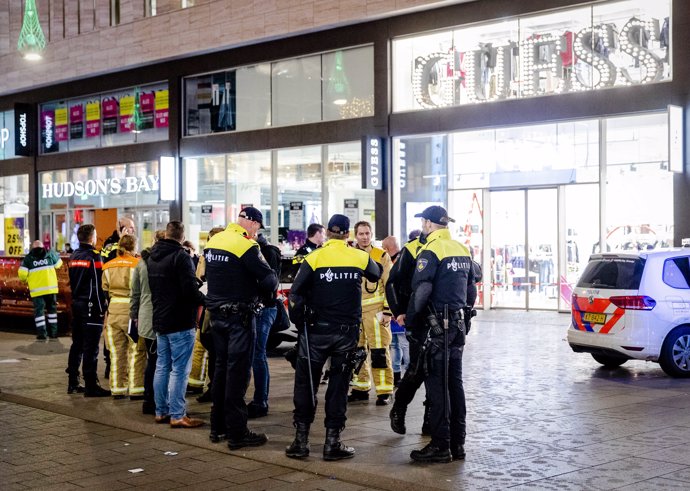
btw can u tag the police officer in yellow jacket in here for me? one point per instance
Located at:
(325, 305)
(238, 278)
(376, 334)
(442, 286)
(38, 270)
(127, 349)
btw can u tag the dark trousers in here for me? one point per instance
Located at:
(233, 339)
(446, 432)
(413, 378)
(206, 339)
(87, 326)
(152, 358)
(324, 342)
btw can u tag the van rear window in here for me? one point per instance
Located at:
(616, 273)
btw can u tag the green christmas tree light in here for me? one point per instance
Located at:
(31, 39)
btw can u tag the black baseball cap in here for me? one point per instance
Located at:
(253, 214)
(436, 214)
(339, 224)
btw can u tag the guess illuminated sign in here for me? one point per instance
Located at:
(592, 58)
(372, 156)
(100, 187)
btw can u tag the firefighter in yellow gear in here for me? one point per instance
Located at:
(375, 335)
(127, 349)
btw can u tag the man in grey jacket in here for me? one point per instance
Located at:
(141, 317)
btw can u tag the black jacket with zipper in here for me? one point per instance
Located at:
(85, 274)
(175, 291)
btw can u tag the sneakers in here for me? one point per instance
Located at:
(186, 422)
(249, 439)
(358, 395)
(431, 453)
(256, 411)
(383, 399)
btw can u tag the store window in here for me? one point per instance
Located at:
(135, 115)
(546, 154)
(15, 236)
(99, 195)
(344, 184)
(7, 135)
(639, 192)
(583, 48)
(323, 87)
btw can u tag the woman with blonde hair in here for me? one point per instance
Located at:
(127, 350)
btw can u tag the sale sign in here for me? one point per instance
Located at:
(14, 236)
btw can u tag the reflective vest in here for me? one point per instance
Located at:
(38, 269)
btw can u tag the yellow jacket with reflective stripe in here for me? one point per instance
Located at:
(374, 293)
(117, 277)
(38, 270)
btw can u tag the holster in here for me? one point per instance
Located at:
(355, 359)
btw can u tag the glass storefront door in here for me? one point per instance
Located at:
(524, 249)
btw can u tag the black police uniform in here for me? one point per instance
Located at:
(443, 277)
(398, 292)
(89, 305)
(237, 276)
(328, 287)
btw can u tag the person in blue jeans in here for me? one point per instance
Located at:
(258, 407)
(176, 298)
(400, 351)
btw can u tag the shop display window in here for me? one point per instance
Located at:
(323, 87)
(546, 154)
(15, 236)
(639, 192)
(607, 44)
(6, 135)
(344, 184)
(135, 115)
(296, 95)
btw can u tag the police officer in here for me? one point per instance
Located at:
(442, 286)
(89, 306)
(237, 276)
(398, 292)
(325, 305)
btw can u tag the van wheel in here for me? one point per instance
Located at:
(675, 353)
(609, 361)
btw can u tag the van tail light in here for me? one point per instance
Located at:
(634, 302)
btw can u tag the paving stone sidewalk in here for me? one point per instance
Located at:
(539, 417)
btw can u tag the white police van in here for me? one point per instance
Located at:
(634, 305)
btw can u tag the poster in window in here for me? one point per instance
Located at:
(61, 126)
(76, 121)
(146, 105)
(126, 113)
(162, 108)
(93, 119)
(110, 110)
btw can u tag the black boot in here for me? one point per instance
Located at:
(396, 379)
(457, 451)
(74, 386)
(94, 389)
(300, 446)
(431, 453)
(334, 449)
(397, 416)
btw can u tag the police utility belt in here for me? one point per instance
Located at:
(435, 322)
(239, 308)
